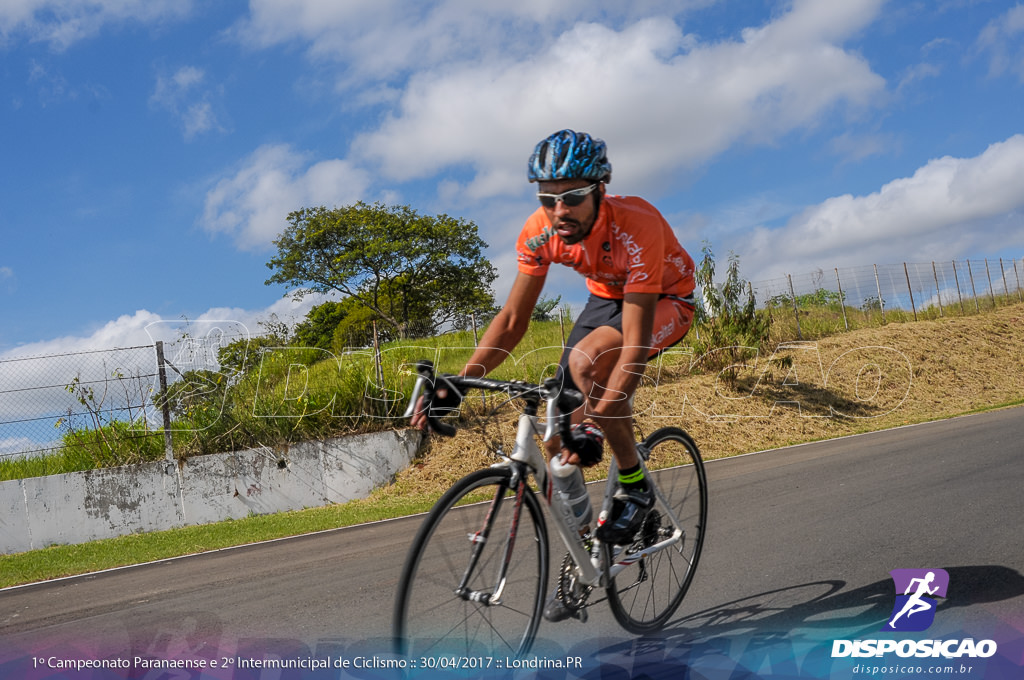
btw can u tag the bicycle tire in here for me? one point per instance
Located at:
(430, 617)
(645, 595)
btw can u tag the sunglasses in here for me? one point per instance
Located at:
(571, 198)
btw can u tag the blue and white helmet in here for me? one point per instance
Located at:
(570, 155)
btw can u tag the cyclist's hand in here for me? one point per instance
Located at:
(437, 403)
(585, 446)
(446, 399)
(419, 416)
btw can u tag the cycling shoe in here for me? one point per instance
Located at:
(629, 510)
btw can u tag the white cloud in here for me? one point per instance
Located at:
(1003, 40)
(125, 331)
(186, 97)
(252, 206)
(381, 39)
(665, 102)
(62, 23)
(7, 280)
(143, 328)
(950, 207)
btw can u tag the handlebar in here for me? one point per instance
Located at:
(560, 402)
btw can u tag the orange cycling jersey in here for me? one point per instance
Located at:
(631, 249)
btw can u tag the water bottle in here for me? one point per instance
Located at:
(568, 479)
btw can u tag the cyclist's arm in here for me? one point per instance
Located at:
(507, 328)
(501, 337)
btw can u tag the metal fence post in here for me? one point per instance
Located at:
(165, 405)
(1017, 277)
(878, 287)
(959, 295)
(913, 307)
(991, 293)
(378, 368)
(1002, 275)
(974, 289)
(842, 300)
(938, 293)
(796, 310)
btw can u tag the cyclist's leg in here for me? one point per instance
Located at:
(585, 357)
(592, 355)
(597, 313)
(591, 366)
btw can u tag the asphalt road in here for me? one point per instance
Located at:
(800, 545)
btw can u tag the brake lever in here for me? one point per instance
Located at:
(417, 390)
(425, 369)
(552, 415)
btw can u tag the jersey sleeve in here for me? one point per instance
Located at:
(531, 254)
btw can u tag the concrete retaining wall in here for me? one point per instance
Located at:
(85, 506)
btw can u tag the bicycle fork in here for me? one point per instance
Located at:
(479, 540)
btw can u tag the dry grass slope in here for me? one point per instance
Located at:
(865, 380)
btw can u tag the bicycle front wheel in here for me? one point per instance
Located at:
(473, 582)
(645, 594)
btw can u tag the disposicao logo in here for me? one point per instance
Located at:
(914, 611)
(915, 607)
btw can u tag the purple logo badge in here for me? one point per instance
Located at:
(915, 589)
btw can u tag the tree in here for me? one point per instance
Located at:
(730, 326)
(542, 311)
(317, 329)
(415, 273)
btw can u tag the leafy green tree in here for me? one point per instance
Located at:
(416, 273)
(356, 329)
(317, 329)
(243, 355)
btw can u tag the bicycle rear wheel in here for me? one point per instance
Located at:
(645, 594)
(484, 536)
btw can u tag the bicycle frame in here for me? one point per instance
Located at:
(528, 453)
(527, 458)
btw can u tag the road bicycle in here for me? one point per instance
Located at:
(475, 579)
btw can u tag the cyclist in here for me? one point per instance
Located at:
(641, 286)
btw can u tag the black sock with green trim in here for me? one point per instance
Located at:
(633, 478)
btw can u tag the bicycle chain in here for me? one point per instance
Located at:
(569, 591)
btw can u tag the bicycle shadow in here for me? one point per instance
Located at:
(784, 628)
(859, 610)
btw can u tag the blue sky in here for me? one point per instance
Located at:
(152, 149)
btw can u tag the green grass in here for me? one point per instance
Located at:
(67, 560)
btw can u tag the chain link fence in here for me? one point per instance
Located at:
(44, 400)
(48, 403)
(878, 294)
(76, 400)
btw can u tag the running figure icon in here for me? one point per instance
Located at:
(917, 602)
